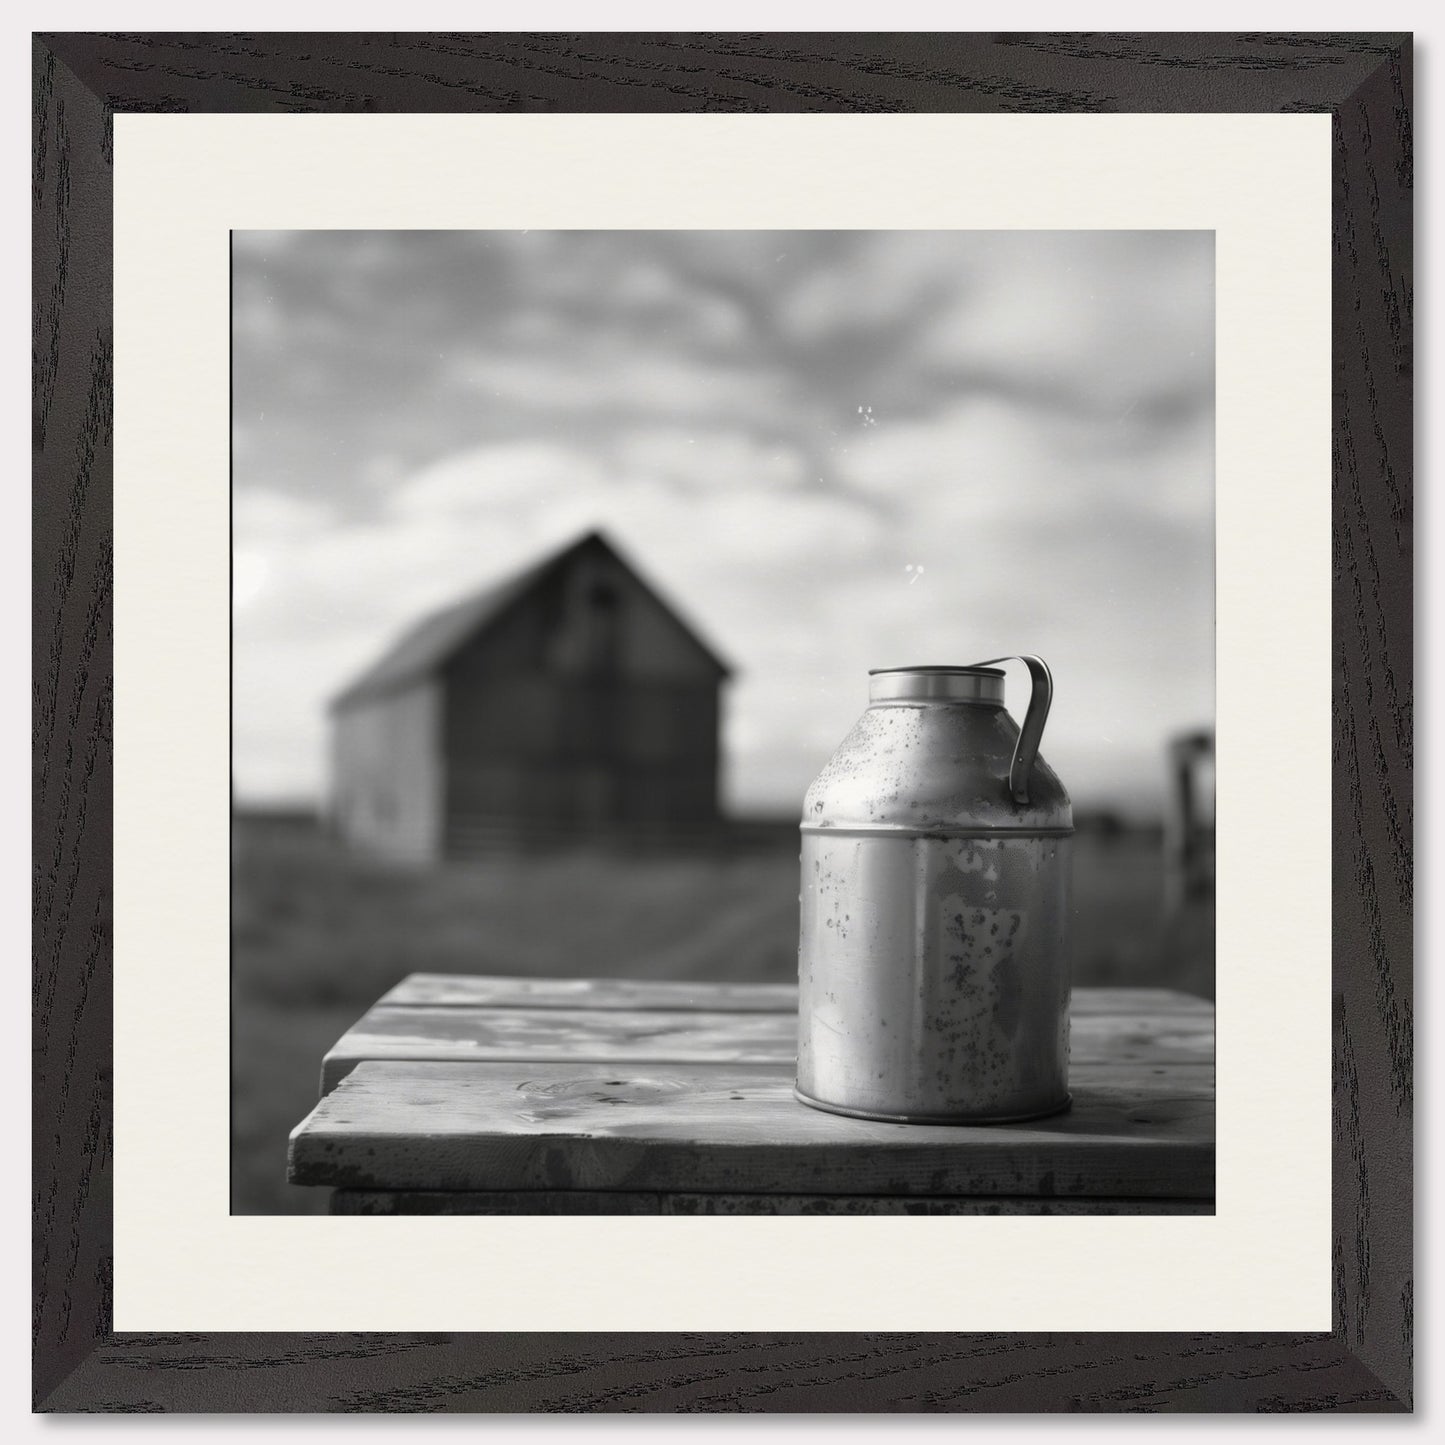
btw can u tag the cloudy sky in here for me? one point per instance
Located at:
(832, 450)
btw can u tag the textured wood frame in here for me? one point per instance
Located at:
(1364, 81)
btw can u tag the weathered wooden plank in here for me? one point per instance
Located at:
(593, 1201)
(1132, 1132)
(494, 1201)
(560, 1035)
(481, 1035)
(438, 990)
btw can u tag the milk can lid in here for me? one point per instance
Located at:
(936, 684)
(991, 671)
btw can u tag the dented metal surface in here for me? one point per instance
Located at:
(933, 949)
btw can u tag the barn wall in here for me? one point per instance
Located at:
(555, 750)
(386, 773)
(565, 717)
(585, 706)
(536, 633)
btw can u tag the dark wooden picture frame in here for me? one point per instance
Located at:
(1364, 81)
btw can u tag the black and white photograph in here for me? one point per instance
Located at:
(733, 627)
(722, 722)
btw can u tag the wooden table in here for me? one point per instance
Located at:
(461, 1095)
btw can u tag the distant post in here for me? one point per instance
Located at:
(1188, 936)
(1189, 821)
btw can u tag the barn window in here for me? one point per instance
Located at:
(589, 639)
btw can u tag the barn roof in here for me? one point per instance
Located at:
(428, 644)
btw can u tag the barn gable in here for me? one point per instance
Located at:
(568, 701)
(479, 625)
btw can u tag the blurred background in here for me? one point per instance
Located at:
(805, 454)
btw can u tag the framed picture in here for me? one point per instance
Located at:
(140, 1303)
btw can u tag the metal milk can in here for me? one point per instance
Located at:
(933, 961)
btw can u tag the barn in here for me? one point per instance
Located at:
(567, 701)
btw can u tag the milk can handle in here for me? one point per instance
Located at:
(1027, 747)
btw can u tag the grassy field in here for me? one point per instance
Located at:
(319, 935)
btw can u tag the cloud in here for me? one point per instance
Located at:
(832, 451)
(600, 379)
(260, 246)
(1116, 320)
(993, 461)
(496, 482)
(888, 280)
(646, 290)
(1063, 322)
(709, 458)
